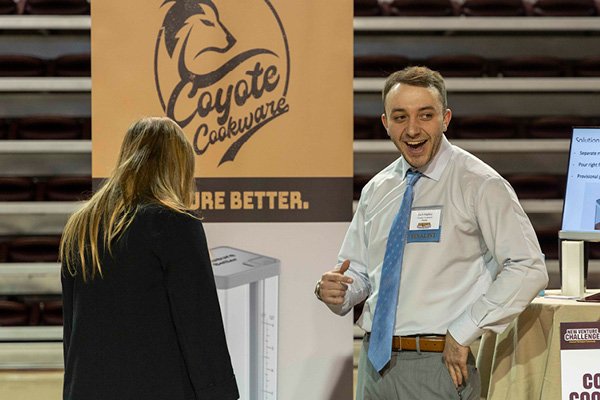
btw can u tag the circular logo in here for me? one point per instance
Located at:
(218, 76)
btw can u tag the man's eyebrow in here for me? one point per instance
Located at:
(426, 108)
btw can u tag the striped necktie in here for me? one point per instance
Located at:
(380, 343)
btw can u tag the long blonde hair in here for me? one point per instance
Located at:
(156, 165)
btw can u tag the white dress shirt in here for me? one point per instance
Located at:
(485, 269)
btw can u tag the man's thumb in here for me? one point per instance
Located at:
(344, 267)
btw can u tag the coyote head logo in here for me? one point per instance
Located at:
(197, 26)
(203, 50)
(192, 31)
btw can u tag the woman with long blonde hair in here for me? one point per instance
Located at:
(141, 313)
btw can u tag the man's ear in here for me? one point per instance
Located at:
(447, 118)
(385, 122)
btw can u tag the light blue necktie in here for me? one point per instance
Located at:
(382, 330)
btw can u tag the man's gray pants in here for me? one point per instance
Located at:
(413, 375)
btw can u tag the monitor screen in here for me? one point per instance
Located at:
(581, 211)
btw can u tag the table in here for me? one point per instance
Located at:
(523, 362)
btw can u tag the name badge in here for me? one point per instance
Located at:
(425, 224)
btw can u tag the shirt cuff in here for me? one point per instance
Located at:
(337, 309)
(341, 309)
(464, 330)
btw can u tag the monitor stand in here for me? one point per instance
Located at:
(572, 262)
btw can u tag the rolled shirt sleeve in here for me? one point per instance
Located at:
(509, 237)
(354, 248)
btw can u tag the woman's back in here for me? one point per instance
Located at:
(150, 327)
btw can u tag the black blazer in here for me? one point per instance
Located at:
(150, 328)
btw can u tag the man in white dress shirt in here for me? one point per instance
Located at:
(471, 261)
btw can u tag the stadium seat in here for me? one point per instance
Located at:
(15, 65)
(372, 124)
(563, 8)
(363, 127)
(492, 8)
(4, 129)
(33, 249)
(548, 238)
(532, 67)
(378, 65)
(537, 186)
(3, 250)
(458, 65)
(485, 127)
(8, 7)
(48, 128)
(86, 124)
(594, 250)
(588, 67)
(559, 127)
(52, 312)
(359, 182)
(423, 8)
(379, 130)
(57, 7)
(34, 311)
(72, 65)
(67, 188)
(453, 127)
(13, 313)
(16, 189)
(366, 8)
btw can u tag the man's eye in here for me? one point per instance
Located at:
(207, 22)
(399, 118)
(426, 116)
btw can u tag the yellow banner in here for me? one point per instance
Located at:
(263, 89)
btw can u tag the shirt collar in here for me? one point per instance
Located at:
(437, 165)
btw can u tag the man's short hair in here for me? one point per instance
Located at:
(417, 76)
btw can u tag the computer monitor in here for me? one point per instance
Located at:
(581, 209)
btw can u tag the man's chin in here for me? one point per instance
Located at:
(416, 162)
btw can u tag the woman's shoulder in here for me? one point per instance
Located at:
(165, 229)
(165, 216)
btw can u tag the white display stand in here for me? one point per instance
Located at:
(248, 289)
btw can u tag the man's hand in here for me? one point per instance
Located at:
(334, 285)
(455, 357)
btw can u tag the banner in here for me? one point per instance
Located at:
(579, 355)
(263, 91)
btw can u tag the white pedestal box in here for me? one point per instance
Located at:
(248, 289)
(572, 264)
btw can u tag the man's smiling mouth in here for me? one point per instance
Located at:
(415, 144)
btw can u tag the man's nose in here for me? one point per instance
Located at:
(413, 128)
